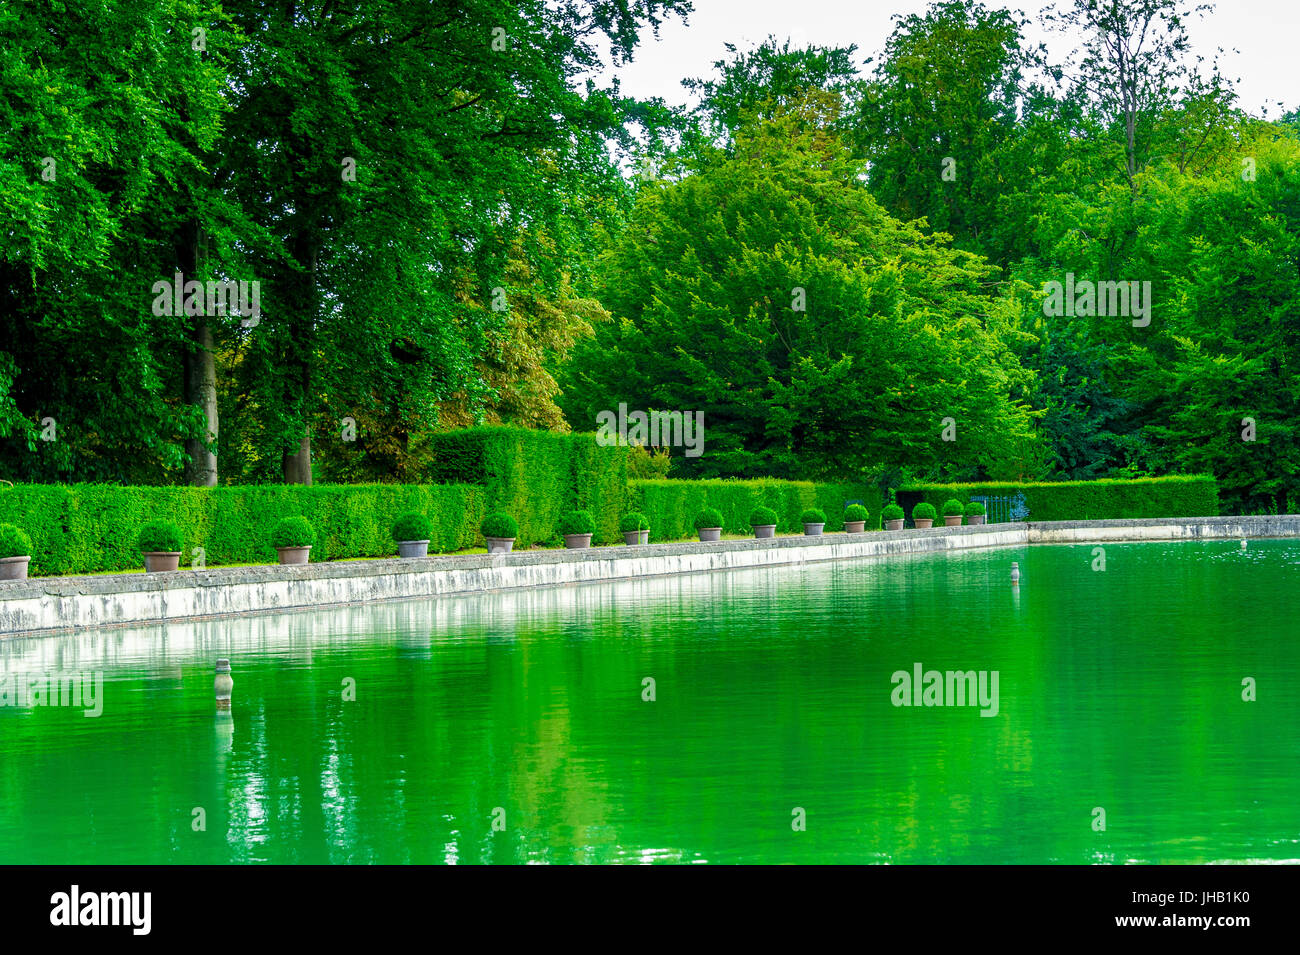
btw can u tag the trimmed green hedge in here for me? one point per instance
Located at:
(537, 476)
(1194, 496)
(88, 528)
(673, 505)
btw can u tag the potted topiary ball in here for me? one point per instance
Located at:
(814, 520)
(855, 519)
(412, 532)
(635, 527)
(292, 539)
(709, 524)
(975, 513)
(892, 515)
(160, 542)
(500, 531)
(15, 552)
(952, 511)
(923, 515)
(763, 520)
(577, 528)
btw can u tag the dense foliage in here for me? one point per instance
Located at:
(293, 531)
(843, 265)
(821, 334)
(672, 505)
(14, 542)
(500, 525)
(87, 528)
(577, 522)
(897, 331)
(536, 475)
(710, 517)
(160, 537)
(1093, 500)
(90, 528)
(634, 521)
(412, 526)
(413, 185)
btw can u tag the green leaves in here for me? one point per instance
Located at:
(817, 334)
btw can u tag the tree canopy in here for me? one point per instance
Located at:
(841, 261)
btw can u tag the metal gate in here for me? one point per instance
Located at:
(1003, 509)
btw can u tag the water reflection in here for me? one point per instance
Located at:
(399, 732)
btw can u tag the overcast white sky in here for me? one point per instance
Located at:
(1265, 32)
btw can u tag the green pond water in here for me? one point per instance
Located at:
(1118, 690)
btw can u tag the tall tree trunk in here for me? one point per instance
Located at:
(297, 466)
(300, 302)
(201, 390)
(199, 378)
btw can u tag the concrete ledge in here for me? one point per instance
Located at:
(60, 604)
(1198, 528)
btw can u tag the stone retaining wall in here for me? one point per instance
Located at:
(60, 604)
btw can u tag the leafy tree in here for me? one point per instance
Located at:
(1229, 264)
(1133, 66)
(106, 114)
(772, 79)
(937, 112)
(465, 123)
(817, 334)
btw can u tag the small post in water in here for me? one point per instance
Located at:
(1015, 574)
(224, 684)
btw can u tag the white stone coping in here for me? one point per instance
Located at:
(61, 604)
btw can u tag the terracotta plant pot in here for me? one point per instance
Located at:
(14, 568)
(156, 560)
(710, 533)
(894, 525)
(952, 520)
(645, 536)
(922, 522)
(813, 530)
(577, 541)
(976, 519)
(636, 537)
(764, 530)
(412, 548)
(855, 527)
(500, 545)
(293, 555)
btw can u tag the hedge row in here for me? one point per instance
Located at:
(672, 505)
(1194, 496)
(87, 528)
(536, 476)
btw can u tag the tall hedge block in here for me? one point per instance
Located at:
(1132, 499)
(599, 477)
(672, 505)
(536, 476)
(91, 528)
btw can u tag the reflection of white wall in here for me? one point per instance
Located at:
(123, 600)
(411, 624)
(869, 561)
